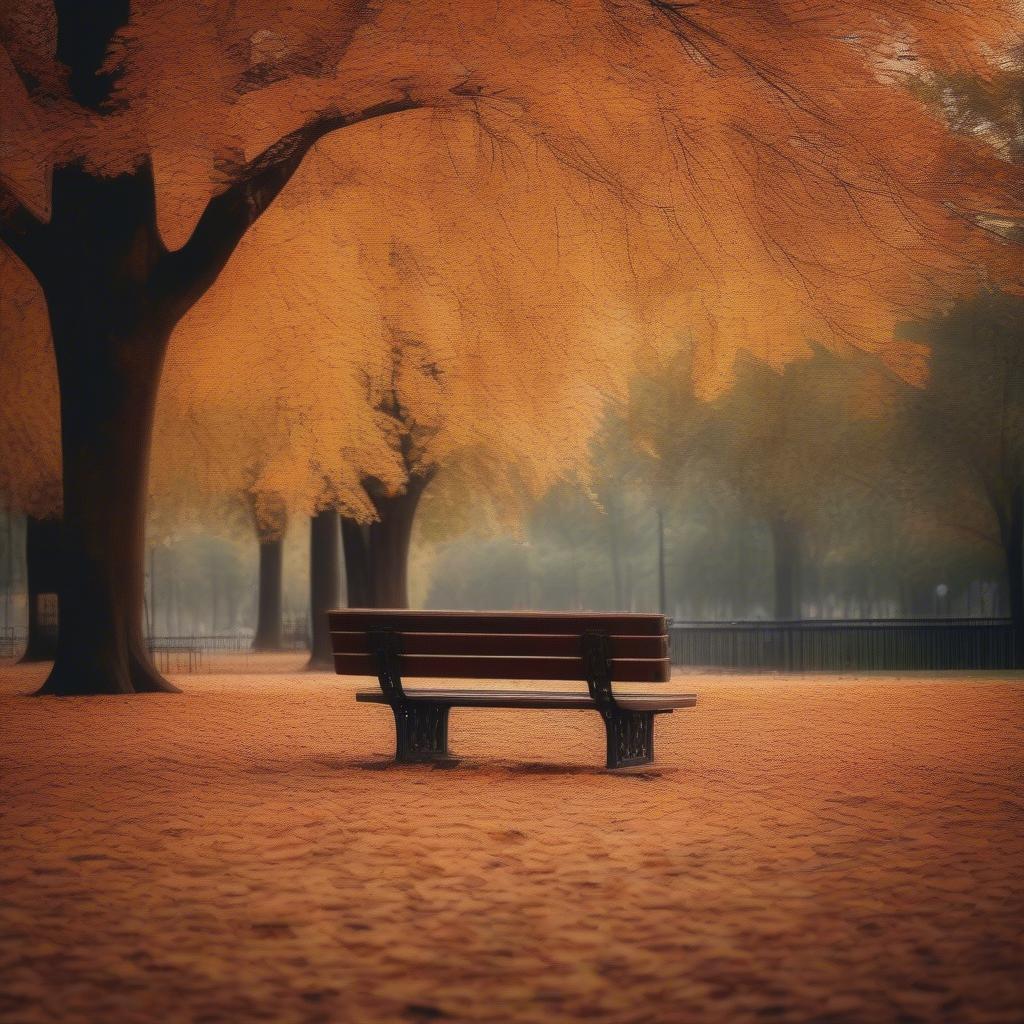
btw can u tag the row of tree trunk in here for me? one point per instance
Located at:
(375, 559)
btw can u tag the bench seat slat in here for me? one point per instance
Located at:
(539, 699)
(505, 644)
(638, 670)
(354, 620)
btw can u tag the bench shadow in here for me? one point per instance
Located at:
(547, 768)
(386, 762)
(383, 762)
(645, 772)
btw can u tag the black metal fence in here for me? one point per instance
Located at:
(814, 645)
(12, 642)
(179, 654)
(825, 645)
(191, 653)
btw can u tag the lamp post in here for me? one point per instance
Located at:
(662, 601)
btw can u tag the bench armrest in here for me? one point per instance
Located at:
(386, 647)
(597, 663)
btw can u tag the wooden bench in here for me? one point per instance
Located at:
(600, 648)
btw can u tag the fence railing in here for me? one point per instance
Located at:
(820, 645)
(183, 658)
(190, 653)
(231, 642)
(185, 653)
(12, 642)
(813, 645)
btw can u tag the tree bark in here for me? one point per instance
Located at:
(355, 548)
(42, 570)
(109, 338)
(377, 556)
(390, 536)
(269, 626)
(324, 583)
(786, 548)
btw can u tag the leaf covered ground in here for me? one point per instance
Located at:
(805, 849)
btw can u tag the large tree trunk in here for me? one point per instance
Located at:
(786, 548)
(42, 570)
(269, 628)
(324, 583)
(355, 548)
(105, 429)
(109, 338)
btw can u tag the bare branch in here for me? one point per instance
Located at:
(690, 32)
(192, 269)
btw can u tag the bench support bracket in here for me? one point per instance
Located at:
(421, 726)
(421, 730)
(630, 738)
(630, 733)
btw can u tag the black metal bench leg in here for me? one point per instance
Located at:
(630, 738)
(421, 730)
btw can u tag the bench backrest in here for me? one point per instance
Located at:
(500, 645)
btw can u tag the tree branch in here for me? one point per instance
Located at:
(21, 231)
(187, 273)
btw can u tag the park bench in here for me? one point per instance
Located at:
(600, 648)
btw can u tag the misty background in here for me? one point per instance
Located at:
(825, 489)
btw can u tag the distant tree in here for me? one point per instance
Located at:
(782, 441)
(795, 446)
(969, 423)
(270, 518)
(382, 545)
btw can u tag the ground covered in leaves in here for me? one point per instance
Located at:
(806, 849)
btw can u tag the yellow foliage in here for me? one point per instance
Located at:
(583, 181)
(29, 409)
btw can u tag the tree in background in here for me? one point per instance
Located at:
(270, 518)
(969, 421)
(664, 443)
(375, 389)
(380, 549)
(781, 441)
(229, 471)
(788, 451)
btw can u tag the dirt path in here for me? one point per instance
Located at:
(805, 850)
